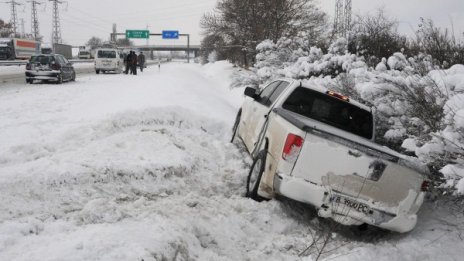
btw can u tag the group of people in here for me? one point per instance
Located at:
(132, 60)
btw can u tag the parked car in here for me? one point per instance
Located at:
(49, 67)
(316, 146)
(108, 60)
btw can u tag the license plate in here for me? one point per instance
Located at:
(353, 204)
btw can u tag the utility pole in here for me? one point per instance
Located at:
(35, 19)
(23, 31)
(14, 15)
(147, 43)
(342, 22)
(113, 35)
(56, 35)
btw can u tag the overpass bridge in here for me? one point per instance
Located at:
(145, 34)
(186, 48)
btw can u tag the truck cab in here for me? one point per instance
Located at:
(6, 49)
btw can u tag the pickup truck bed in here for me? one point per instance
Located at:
(361, 181)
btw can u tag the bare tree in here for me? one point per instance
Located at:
(124, 42)
(376, 37)
(440, 43)
(243, 24)
(94, 43)
(5, 29)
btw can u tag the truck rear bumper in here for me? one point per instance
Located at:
(355, 213)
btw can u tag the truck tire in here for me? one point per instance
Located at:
(97, 71)
(73, 77)
(255, 175)
(235, 127)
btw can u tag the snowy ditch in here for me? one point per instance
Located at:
(154, 178)
(161, 178)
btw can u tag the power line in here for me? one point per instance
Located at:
(74, 21)
(85, 22)
(165, 9)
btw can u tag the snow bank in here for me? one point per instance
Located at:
(118, 167)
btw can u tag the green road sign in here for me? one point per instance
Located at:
(140, 34)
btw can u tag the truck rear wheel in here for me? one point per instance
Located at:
(255, 175)
(97, 71)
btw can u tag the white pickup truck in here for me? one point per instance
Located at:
(316, 146)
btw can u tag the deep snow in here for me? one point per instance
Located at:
(120, 167)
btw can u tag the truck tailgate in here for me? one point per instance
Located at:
(360, 172)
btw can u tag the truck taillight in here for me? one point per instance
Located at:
(292, 147)
(28, 66)
(425, 186)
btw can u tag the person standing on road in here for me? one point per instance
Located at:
(141, 60)
(126, 62)
(133, 63)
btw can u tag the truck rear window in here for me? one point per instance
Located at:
(331, 111)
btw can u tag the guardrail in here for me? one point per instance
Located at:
(11, 63)
(24, 62)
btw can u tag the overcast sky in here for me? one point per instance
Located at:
(82, 19)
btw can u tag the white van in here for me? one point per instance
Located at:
(108, 60)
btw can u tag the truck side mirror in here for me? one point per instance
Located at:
(250, 92)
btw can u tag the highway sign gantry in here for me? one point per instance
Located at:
(138, 34)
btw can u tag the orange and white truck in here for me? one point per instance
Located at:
(15, 48)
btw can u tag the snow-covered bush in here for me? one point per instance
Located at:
(335, 62)
(273, 57)
(213, 57)
(397, 62)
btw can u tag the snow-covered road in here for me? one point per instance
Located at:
(120, 167)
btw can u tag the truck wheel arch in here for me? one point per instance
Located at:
(266, 191)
